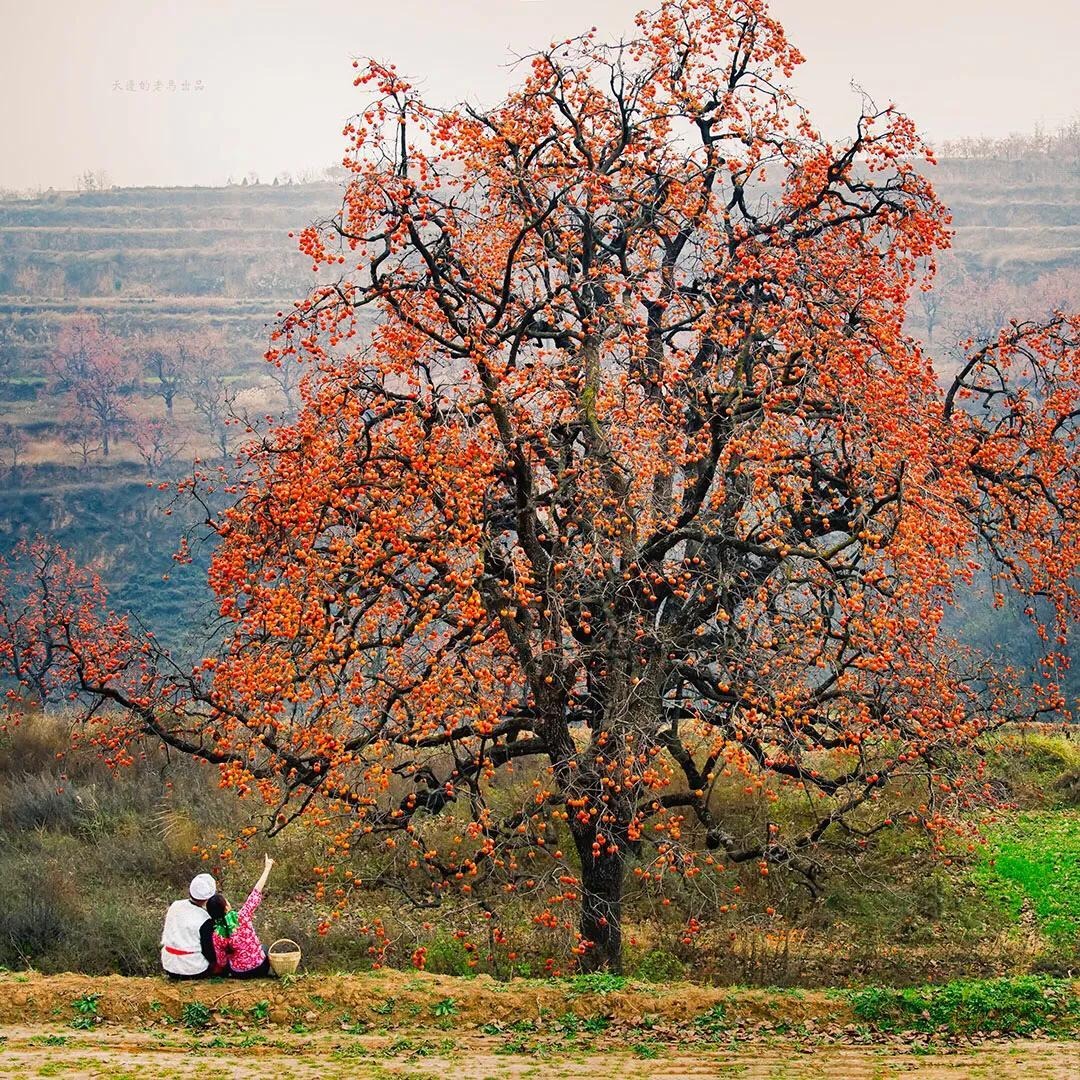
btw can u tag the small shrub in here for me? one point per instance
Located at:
(195, 1015)
(659, 966)
(34, 921)
(446, 955)
(40, 802)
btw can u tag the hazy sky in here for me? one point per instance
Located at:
(276, 75)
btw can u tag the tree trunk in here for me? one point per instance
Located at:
(601, 905)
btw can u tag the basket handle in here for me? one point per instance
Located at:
(284, 941)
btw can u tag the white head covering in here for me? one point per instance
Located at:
(203, 886)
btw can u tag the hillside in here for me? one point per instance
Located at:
(148, 259)
(211, 267)
(1013, 219)
(184, 259)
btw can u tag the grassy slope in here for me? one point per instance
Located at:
(89, 861)
(1032, 862)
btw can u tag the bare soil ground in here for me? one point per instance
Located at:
(396, 1024)
(119, 1053)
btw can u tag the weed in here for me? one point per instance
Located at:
(446, 1007)
(646, 1050)
(514, 1046)
(595, 1025)
(195, 1015)
(345, 1052)
(569, 1023)
(386, 1008)
(354, 1027)
(407, 1046)
(260, 1010)
(712, 1022)
(86, 1012)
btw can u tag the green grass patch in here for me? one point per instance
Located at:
(1035, 857)
(1018, 1006)
(599, 982)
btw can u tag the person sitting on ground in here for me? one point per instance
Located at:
(187, 946)
(237, 946)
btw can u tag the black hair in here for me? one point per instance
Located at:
(215, 908)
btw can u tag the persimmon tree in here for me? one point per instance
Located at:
(90, 368)
(635, 484)
(53, 617)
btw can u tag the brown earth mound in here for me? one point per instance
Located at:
(381, 997)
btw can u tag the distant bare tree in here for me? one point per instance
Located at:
(285, 375)
(1061, 145)
(80, 435)
(158, 442)
(93, 180)
(933, 301)
(165, 361)
(214, 399)
(13, 443)
(7, 358)
(982, 308)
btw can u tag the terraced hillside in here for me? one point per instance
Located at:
(1013, 219)
(215, 265)
(152, 259)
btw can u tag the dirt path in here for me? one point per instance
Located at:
(119, 1054)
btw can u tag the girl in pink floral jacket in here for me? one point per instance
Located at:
(239, 951)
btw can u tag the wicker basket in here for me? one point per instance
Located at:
(284, 956)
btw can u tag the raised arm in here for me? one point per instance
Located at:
(268, 865)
